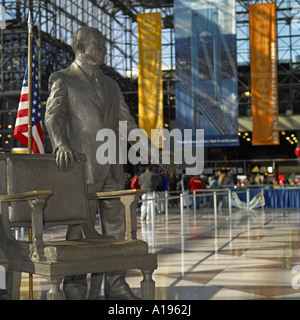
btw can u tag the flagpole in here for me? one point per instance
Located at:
(30, 25)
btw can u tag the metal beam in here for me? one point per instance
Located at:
(126, 8)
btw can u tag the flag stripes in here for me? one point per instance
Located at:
(21, 126)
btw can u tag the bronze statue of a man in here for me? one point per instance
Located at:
(82, 101)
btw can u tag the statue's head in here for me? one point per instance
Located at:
(88, 45)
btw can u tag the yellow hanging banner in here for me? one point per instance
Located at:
(150, 82)
(263, 67)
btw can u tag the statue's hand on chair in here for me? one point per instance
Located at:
(65, 157)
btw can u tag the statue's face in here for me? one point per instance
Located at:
(95, 49)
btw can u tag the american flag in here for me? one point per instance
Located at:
(21, 127)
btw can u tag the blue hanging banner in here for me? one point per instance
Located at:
(206, 75)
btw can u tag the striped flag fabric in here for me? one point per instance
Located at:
(21, 126)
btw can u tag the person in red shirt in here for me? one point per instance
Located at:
(134, 182)
(196, 183)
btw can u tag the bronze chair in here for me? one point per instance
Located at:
(35, 193)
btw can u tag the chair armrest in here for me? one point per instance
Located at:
(129, 198)
(36, 200)
(31, 195)
(120, 193)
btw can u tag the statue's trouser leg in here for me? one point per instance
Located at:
(113, 224)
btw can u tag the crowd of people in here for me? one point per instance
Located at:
(223, 178)
(161, 182)
(183, 184)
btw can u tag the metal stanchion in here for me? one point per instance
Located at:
(194, 198)
(248, 212)
(216, 223)
(248, 200)
(153, 218)
(167, 215)
(229, 203)
(166, 204)
(230, 217)
(181, 214)
(215, 208)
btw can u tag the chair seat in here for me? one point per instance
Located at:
(59, 251)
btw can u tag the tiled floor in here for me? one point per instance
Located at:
(248, 256)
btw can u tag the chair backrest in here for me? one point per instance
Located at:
(25, 172)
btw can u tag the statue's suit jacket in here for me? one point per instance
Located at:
(76, 110)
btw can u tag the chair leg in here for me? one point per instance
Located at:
(96, 282)
(148, 285)
(54, 292)
(13, 284)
